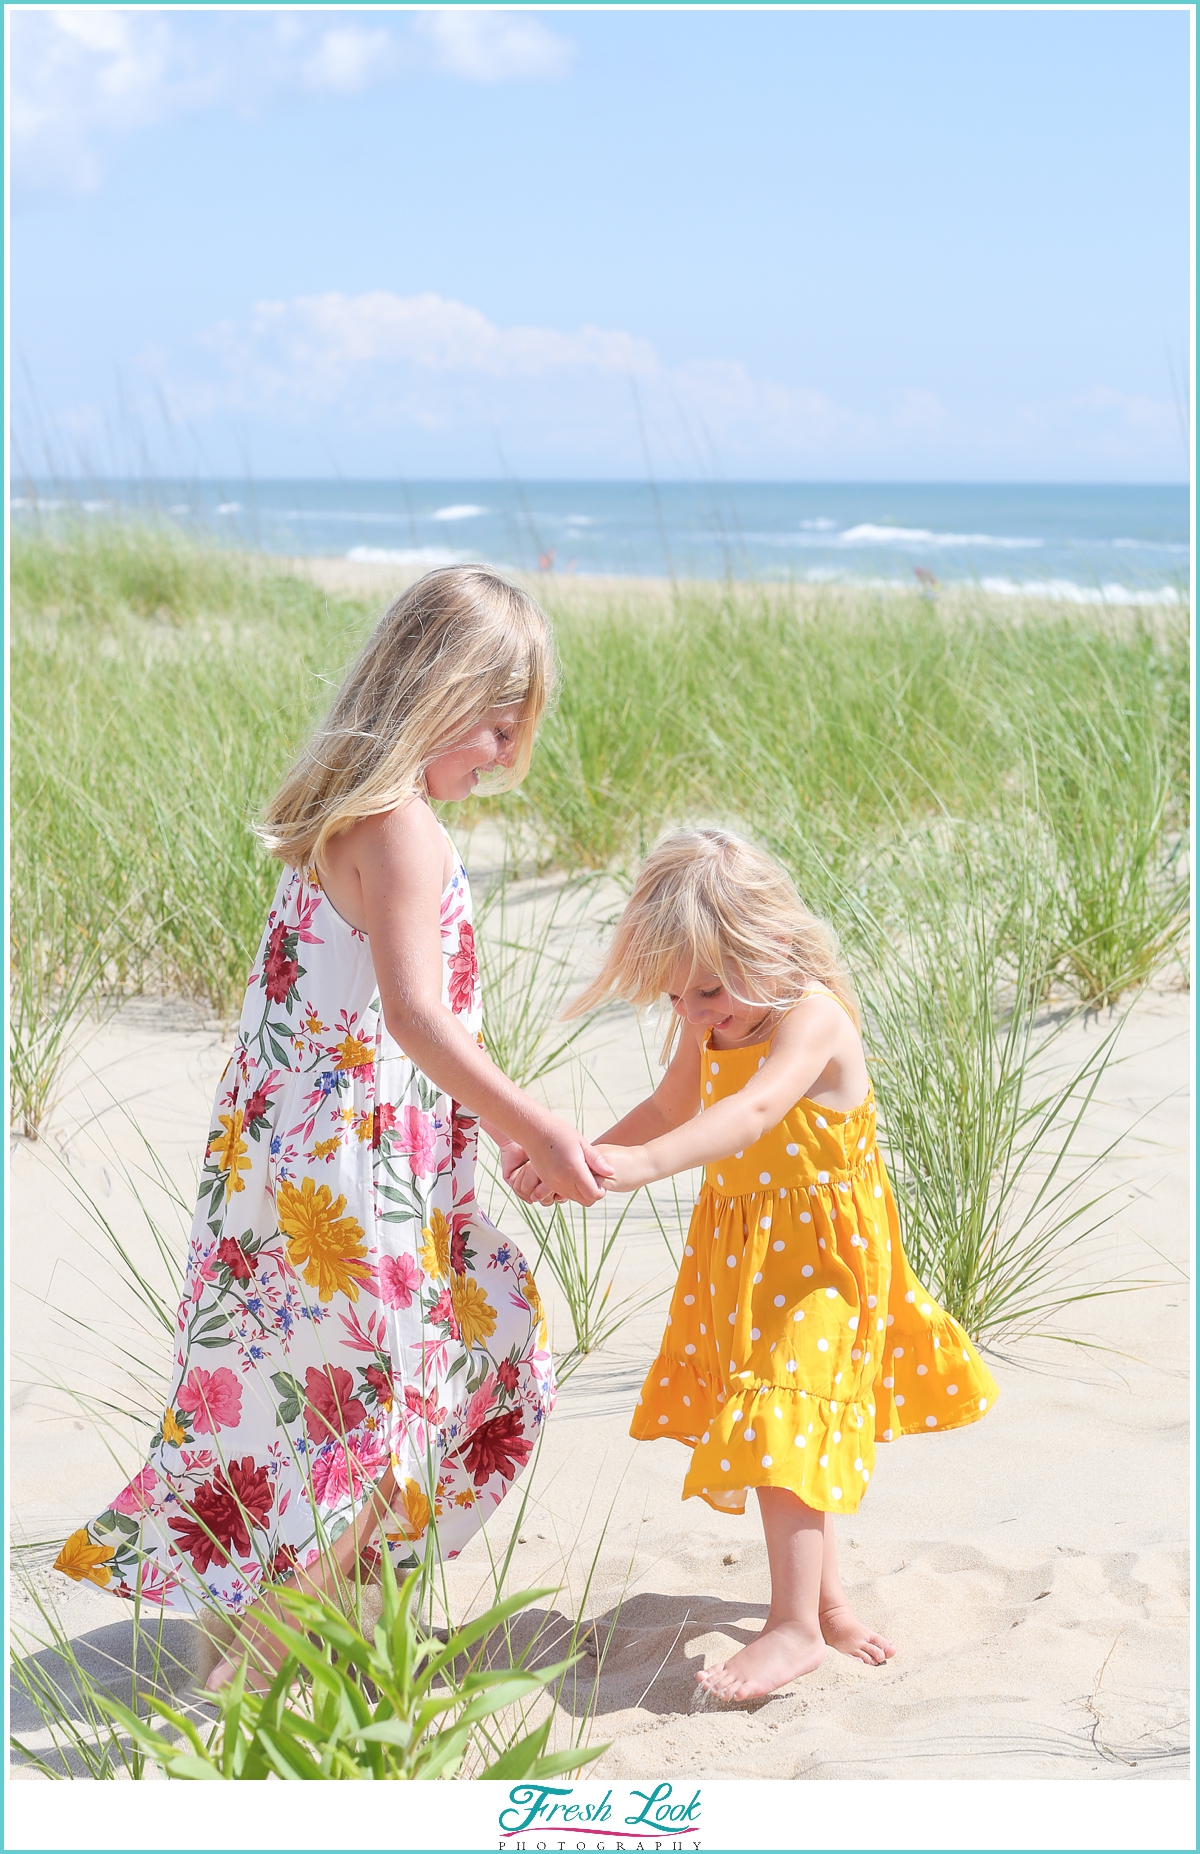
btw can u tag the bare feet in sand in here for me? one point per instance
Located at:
(842, 1630)
(783, 1652)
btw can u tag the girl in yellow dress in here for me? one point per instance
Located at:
(798, 1334)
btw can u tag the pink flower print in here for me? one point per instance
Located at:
(212, 1399)
(413, 1136)
(480, 1403)
(340, 1471)
(399, 1279)
(464, 971)
(137, 1496)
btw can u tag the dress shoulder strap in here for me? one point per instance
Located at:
(823, 991)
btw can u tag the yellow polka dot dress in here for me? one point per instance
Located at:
(798, 1333)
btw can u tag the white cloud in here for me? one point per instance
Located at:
(82, 77)
(490, 47)
(348, 58)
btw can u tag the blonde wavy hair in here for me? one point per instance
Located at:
(709, 898)
(458, 642)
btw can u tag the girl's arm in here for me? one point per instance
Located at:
(398, 858)
(812, 1037)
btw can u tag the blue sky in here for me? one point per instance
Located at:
(940, 245)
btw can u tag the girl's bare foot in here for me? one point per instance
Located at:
(842, 1630)
(782, 1653)
(266, 1656)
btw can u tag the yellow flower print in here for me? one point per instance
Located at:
(312, 1023)
(475, 1315)
(80, 1559)
(230, 1151)
(466, 1498)
(172, 1433)
(366, 1127)
(328, 1246)
(529, 1289)
(325, 1148)
(351, 1054)
(435, 1250)
(416, 1508)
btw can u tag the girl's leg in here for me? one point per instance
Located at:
(840, 1626)
(791, 1643)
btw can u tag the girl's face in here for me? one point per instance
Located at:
(698, 996)
(491, 741)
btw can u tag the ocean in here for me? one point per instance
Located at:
(1082, 543)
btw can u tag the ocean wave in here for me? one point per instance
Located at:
(405, 556)
(457, 511)
(228, 508)
(1071, 593)
(1161, 547)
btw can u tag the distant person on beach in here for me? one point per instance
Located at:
(357, 1345)
(798, 1334)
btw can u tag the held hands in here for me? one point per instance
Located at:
(615, 1168)
(558, 1164)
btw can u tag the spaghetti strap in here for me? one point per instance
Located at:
(823, 991)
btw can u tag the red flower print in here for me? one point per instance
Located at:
(399, 1279)
(498, 1447)
(462, 1126)
(414, 1137)
(385, 1120)
(222, 1512)
(458, 1252)
(331, 1410)
(260, 1100)
(238, 1264)
(464, 971)
(283, 1561)
(279, 972)
(442, 1312)
(427, 1408)
(381, 1383)
(212, 1399)
(508, 1375)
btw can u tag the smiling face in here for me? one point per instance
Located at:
(489, 742)
(698, 996)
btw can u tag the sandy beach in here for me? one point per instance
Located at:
(1032, 1568)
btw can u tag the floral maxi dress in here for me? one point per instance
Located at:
(347, 1307)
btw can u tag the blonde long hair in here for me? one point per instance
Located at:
(717, 902)
(459, 641)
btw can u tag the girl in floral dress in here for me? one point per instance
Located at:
(798, 1335)
(356, 1344)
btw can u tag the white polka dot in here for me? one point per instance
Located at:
(852, 1322)
(778, 1411)
(931, 1422)
(801, 1441)
(854, 1242)
(822, 1177)
(833, 1406)
(764, 1223)
(715, 1067)
(662, 1419)
(761, 1060)
(820, 1242)
(792, 1149)
(798, 1315)
(837, 1435)
(739, 1155)
(703, 1329)
(936, 1341)
(910, 1297)
(878, 1193)
(870, 1300)
(731, 1261)
(822, 1345)
(732, 1316)
(764, 1178)
(663, 1383)
(777, 1246)
(668, 1319)
(836, 1492)
(754, 1333)
(899, 1399)
(926, 1309)
(712, 1287)
(689, 1349)
(887, 1435)
(688, 1250)
(805, 1217)
(720, 1180)
(791, 1364)
(821, 1120)
(824, 1461)
(921, 1370)
(747, 1435)
(856, 1355)
(879, 1326)
(952, 1390)
(983, 1403)
(689, 1300)
(757, 1279)
(783, 1190)
(779, 1298)
(862, 1145)
(898, 1351)
(891, 1319)
(725, 1467)
(768, 1462)
(888, 1382)
(831, 1293)
(708, 1087)
(807, 1269)
(704, 1437)
(639, 1400)
(735, 1416)
(858, 1462)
